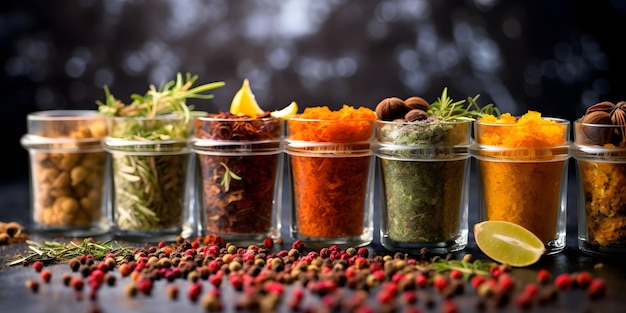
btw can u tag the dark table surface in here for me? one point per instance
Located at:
(54, 297)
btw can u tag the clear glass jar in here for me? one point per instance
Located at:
(239, 177)
(522, 176)
(424, 182)
(331, 181)
(150, 165)
(67, 172)
(600, 154)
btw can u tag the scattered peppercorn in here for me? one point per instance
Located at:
(32, 285)
(45, 275)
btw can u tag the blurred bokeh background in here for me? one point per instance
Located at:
(557, 57)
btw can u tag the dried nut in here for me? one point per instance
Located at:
(391, 108)
(596, 135)
(416, 102)
(415, 115)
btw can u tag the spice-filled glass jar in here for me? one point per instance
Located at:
(600, 154)
(239, 176)
(150, 165)
(331, 168)
(67, 172)
(424, 182)
(522, 173)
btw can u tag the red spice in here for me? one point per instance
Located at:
(440, 282)
(38, 265)
(543, 276)
(583, 279)
(268, 242)
(563, 281)
(77, 283)
(297, 244)
(32, 285)
(45, 275)
(241, 205)
(456, 274)
(506, 282)
(597, 288)
(329, 191)
(194, 290)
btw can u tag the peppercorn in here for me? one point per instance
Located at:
(38, 265)
(45, 275)
(32, 285)
(596, 288)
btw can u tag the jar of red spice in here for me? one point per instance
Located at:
(331, 169)
(600, 153)
(240, 176)
(67, 172)
(522, 173)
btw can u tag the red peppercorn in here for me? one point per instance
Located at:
(268, 242)
(477, 281)
(363, 252)
(543, 276)
(506, 282)
(531, 289)
(421, 280)
(38, 265)
(523, 300)
(172, 292)
(161, 244)
(216, 280)
(45, 275)
(449, 306)
(563, 281)
(125, 269)
(77, 283)
(297, 244)
(145, 286)
(409, 297)
(194, 290)
(385, 296)
(440, 282)
(456, 274)
(583, 279)
(597, 288)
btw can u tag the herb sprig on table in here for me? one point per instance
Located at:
(54, 251)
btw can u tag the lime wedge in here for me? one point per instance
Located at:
(509, 243)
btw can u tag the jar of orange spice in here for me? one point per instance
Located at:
(522, 173)
(331, 170)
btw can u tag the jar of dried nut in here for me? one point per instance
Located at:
(67, 171)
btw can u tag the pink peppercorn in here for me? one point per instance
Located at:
(477, 281)
(456, 274)
(297, 244)
(45, 275)
(38, 265)
(194, 290)
(268, 242)
(597, 288)
(563, 281)
(543, 276)
(421, 280)
(363, 252)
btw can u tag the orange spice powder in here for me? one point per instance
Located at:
(515, 188)
(329, 188)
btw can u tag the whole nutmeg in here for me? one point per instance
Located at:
(416, 102)
(415, 115)
(391, 108)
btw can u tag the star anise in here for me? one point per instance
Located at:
(607, 113)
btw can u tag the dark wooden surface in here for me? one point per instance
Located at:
(54, 297)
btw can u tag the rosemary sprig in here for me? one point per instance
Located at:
(448, 110)
(168, 98)
(468, 269)
(228, 176)
(53, 251)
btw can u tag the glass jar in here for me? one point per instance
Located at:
(150, 165)
(424, 182)
(600, 154)
(522, 175)
(67, 172)
(331, 168)
(240, 177)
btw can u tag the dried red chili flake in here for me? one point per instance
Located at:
(214, 240)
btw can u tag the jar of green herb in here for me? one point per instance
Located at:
(424, 164)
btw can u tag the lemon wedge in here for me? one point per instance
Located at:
(286, 112)
(509, 243)
(244, 102)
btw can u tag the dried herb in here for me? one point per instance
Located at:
(53, 251)
(239, 158)
(424, 164)
(149, 152)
